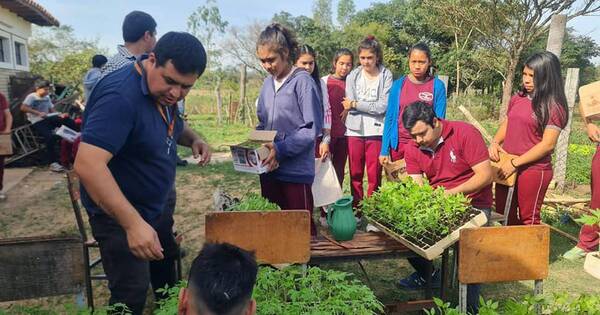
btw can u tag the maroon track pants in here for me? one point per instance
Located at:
(289, 196)
(530, 189)
(364, 152)
(588, 236)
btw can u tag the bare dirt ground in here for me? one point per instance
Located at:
(39, 205)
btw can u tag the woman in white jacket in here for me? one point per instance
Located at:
(367, 90)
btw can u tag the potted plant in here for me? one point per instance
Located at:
(592, 260)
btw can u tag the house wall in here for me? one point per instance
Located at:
(16, 29)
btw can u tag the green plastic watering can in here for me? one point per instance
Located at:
(340, 219)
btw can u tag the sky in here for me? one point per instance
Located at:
(102, 19)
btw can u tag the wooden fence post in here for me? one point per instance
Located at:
(562, 147)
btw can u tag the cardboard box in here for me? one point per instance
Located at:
(248, 156)
(504, 158)
(6, 144)
(395, 171)
(589, 100)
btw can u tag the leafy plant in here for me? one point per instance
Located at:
(168, 306)
(312, 291)
(418, 212)
(558, 303)
(254, 202)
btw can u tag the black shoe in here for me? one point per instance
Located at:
(416, 282)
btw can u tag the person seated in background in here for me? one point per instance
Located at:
(221, 281)
(92, 76)
(43, 118)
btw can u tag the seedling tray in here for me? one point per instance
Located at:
(422, 247)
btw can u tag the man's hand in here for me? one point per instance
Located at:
(143, 241)
(271, 160)
(323, 150)
(201, 149)
(593, 132)
(494, 151)
(384, 159)
(42, 114)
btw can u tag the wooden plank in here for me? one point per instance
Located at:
(276, 237)
(475, 123)
(40, 266)
(507, 253)
(504, 158)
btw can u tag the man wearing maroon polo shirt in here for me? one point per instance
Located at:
(450, 154)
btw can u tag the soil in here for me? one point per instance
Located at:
(40, 205)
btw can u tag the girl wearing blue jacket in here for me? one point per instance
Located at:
(289, 103)
(418, 85)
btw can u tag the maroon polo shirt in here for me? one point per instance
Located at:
(3, 107)
(521, 131)
(336, 90)
(412, 92)
(450, 163)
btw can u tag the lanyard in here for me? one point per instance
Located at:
(167, 117)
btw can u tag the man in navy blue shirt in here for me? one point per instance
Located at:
(127, 159)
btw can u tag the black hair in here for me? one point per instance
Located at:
(222, 277)
(372, 44)
(548, 88)
(136, 24)
(418, 111)
(307, 50)
(98, 61)
(184, 50)
(422, 47)
(339, 53)
(40, 84)
(280, 39)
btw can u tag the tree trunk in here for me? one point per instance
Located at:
(242, 85)
(219, 101)
(556, 34)
(457, 77)
(562, 147)
(507, 89)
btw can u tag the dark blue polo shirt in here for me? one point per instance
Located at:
(122, 118)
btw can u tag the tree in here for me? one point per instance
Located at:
(459, 19)
(516, 24)
(345, 11)
(241, 45)
(57, 55)
(322, 13)
(206, 24)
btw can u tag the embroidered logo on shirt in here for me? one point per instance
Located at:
(452, 156)
(426, 96)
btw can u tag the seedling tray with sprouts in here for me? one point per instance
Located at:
(429, 245)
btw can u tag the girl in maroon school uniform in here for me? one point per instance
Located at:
(307, 61)
(419, 85)
(534, 119)
(336, 90)
(588, 235)
(367, 90)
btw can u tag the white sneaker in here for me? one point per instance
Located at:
(55, 167)
(2, 196)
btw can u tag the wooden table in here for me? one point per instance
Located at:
(373, 246)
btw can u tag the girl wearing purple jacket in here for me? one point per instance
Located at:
(289, 103)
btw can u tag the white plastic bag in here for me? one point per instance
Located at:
(325, 188)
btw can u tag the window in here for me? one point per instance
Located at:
(5, 51)
(21, 59)
(20, 54)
